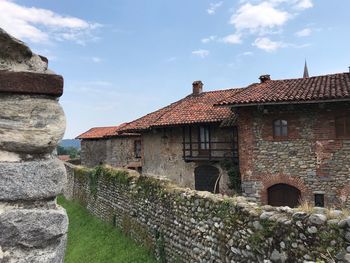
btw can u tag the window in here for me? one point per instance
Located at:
(319, 200)
(280, 128)
(342, 126)
(204, 137)
(137, 148)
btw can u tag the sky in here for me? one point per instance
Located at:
(122, 59)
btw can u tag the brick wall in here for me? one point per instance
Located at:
(311, 158)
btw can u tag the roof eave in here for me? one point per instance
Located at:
(282, 103)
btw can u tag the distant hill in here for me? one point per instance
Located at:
(70, 143)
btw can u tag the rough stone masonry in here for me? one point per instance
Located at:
(33, 227)
(183, 225)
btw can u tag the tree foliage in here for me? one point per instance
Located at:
(71, 151)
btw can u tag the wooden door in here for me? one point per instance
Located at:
(206, 177)
(283, 195)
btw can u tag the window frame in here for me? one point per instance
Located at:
(204, 145)
(280, 126)
(138, 149)
(345, 122)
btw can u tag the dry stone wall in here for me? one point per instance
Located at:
(32, 226)
(183, 225)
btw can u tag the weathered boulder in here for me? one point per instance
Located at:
(53, 253)
(40, 179)
(32, 227)
(30, 124)
(16, 56)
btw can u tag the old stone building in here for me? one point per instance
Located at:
(286, 140)
(107, 145)
(294, 139)
(189, 140)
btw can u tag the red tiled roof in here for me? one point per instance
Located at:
(64, 158)
(105, 132)
(191, 109)
(313, 89)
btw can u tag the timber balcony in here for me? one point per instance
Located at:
(202, 147)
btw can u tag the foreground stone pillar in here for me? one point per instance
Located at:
(33, 228)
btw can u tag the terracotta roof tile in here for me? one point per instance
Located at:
(319, 88)
(191, 109)
(105, 132)
(64, 158)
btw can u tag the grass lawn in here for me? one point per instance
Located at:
(91, 240)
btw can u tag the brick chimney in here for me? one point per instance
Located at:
(197, 87)
(264, 78)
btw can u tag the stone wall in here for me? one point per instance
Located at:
(115, 151)
(32, 226)
(93, 152)
(311, 158)
(183, 225)
(163, 156)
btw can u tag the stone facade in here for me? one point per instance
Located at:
(183, 225)
(163, 156)
(311, 158)
(114, 151)
(32, 226)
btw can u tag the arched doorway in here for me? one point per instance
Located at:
(283, 195)
(206, 176)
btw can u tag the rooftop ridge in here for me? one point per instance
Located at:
(334, 86)
(311, 77)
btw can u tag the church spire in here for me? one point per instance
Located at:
(306, 71)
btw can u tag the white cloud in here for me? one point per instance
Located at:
(232, 39)
(258, 18)
(208, 39)
(303, 33)
(296, 4)
(202, 53)
(96, 59)
(213, 7)
(42, 25)
(266, 44)
(299, 45)
(247, 53)
(303, 4)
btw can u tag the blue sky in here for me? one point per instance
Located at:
(122, 59)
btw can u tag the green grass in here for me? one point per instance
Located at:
(91, 240)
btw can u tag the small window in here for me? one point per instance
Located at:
(342, 126)
(280, 128)
(319, 200)
(137, 148)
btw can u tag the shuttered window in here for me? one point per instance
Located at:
(342, 126)
(280, 128)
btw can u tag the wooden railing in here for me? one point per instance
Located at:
(212, 151)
